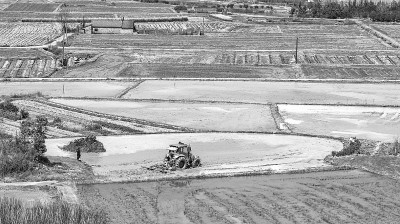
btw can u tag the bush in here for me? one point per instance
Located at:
(12, 112)
(352, 147)
(57, 122)
(86, 144)
(23, 114)
(179, 8)
(14, 211)
(93, 127)
(16, 157)
(26, 95)
(395, 148)
(8, 106)
(35, 131)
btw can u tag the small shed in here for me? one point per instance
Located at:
(128, 26)
(104, 26)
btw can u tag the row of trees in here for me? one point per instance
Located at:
(380, 11)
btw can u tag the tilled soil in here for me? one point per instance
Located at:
(321, 197)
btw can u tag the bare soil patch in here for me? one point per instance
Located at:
(321, 197)
(32, 7)
(208, 71)
(105, 66)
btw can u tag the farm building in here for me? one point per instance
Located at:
(112, 26)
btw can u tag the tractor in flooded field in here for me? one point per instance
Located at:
(180, 156)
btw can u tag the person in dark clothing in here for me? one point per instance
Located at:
(78, 154)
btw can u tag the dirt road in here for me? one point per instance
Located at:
(321, 197)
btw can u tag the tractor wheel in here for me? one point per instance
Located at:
(181, 163)
(196, 163)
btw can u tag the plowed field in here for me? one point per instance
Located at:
(310, 37)
(328, 197)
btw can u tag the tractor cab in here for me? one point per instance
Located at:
(180, 155)
(179, 148)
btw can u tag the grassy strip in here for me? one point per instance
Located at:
(117, 127)
(14, 211)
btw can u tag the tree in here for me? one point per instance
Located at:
(34, 131)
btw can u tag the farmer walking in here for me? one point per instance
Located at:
(78, 154)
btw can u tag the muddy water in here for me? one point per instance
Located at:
(221, 153)
(321, 197)
(377, 123)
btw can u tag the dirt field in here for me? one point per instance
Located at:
(388, 29)
(377, 123)
(71, 89)
(204, 116)
(104, 66)
(311, 37)
(27, 68)
(322, 197)
(221, 153)
(264, 92)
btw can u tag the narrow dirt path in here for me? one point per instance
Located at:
(125, 91)
(280, 123)
(385, 38)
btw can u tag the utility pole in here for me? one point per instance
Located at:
(203, 26)
(297, 45)
(63, 41)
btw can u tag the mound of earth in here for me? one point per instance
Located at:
(86, 144)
